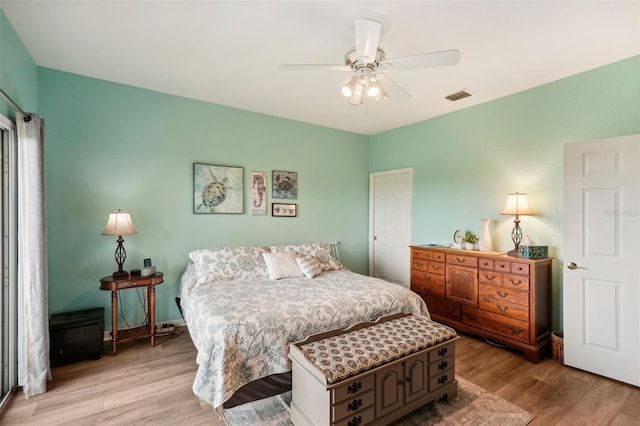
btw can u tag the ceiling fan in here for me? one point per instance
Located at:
(367, 61)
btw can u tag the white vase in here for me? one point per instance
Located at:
(484, 242)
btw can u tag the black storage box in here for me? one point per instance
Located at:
(76, 336)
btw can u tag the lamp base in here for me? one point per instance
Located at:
(120, 275)
(513, 253)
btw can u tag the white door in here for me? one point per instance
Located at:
(601, 279)
(390, 225)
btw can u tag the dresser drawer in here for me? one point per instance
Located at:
(499, 324)
(518, 282)
(490, 277)
(352, 389)
(364, 417)
(417, 253)
(435, 267)
(485, 264)
(504, 308)
(519, 268)
(419, 264)
(457, 259)
(502, 266)
(424, 282)
(443, 308)
(352, 406)
(504, 294)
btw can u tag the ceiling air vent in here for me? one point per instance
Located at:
(459, 95)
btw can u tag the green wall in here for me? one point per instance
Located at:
(465, 163)
(111, 146)
(18, 72)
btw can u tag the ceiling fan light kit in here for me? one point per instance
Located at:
(367, 62)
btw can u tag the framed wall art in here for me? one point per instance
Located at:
(284, 210)
(217, 189)
(284, 185)
(258, 193)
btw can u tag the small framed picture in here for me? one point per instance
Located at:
(284, 210)
(284, 185)
(147, 263)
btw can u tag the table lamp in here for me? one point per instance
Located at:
(516, 205)
(119, 223)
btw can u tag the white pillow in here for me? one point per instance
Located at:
(282, 265)
(309, 266)
(321, 251)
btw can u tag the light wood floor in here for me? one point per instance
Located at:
(145, 385)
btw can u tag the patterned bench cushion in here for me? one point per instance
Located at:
(346, 355)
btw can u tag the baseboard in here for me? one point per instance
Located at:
(176, 323)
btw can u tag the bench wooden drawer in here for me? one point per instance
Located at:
(441, 379)
(352, 406)
(441, 365)
(352, 389)
(362, 418)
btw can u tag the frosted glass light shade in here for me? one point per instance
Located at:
(119, 223)
(517, 204)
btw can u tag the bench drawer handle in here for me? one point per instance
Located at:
(354, 405)
(354, 387)
(443, 351)
(442, 379)
(355, 421)
(443, 365)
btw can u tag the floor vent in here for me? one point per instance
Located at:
(459, 95)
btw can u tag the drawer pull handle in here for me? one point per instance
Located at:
(354, 405)
(461, 260)
(354, 387)
(502, 309)
(355, 421)
(505, 294)
(436, 267)
(443, 365)
(519, 268)
(485, 263)
(472, 317)
(502, 266)
(490, 277)
(514, 282)
(419, 263)
(450, 310)
(443, 351)
(427, 277)
(514, 331)
(427, 290)
(443, 379)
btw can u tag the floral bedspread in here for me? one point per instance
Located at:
(242, 328)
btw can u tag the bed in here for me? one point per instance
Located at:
(244, 305)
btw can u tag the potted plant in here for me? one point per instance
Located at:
(470, 239)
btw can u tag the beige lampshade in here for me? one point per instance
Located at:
(517, 204)
(119, 223)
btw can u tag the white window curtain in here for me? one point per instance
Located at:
(33, 323)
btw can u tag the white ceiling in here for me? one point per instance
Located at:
(228, 52)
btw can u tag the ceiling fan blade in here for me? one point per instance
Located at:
(424, 60)
(367, 38)
(313, 67)
(393, 89)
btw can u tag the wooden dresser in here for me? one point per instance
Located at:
(502, 298)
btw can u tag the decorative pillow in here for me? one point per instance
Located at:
(309, 266)
(229, 263)
(321, 251)
(282, 265)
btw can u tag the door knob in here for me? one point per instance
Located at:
(572, 265)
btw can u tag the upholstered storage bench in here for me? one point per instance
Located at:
(373, 372)
(76, 336)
